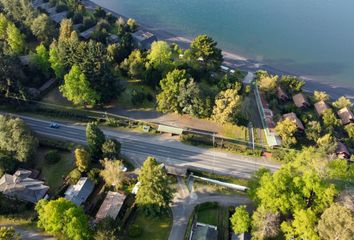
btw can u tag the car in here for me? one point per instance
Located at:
(123, 168)
(54, 125)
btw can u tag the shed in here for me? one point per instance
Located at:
(58, 17)
(87, 33)
(300, 101)
(79, 192)
(169, 129)
(346, 116)
(112, 38)
(111, 205)
(281, 95)
(143, 40)
(292, 116)
(342, 151)
(320, 107)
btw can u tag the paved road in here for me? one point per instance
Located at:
(167, 150)
(29, 234)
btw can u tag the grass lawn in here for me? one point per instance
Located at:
(125, 99)
(53, 174)
(152, 228)
(208, 216)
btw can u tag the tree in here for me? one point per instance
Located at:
(83, 159)
(16, 138)
(203, 48)
(350, 130)
(56, 61)
(320, 96)
(111, 149)
(265, 224)
(61, 216)
(155, 193)
(15, 39)
(330, 120)
(293, 84)
(8, 233)
(267, 83)
(106, 229)
(41, 60)
(95, 139)
(133, 26)
(43, 28)
(160, 56)
(313, 130)
(254, 183)
(3, 26)
(327, 143)
(227, 106)
(77, 89)
(134, 65)
(240, 220)
(66, 28)
(286, 130)
(337, 222)
(342, 102)
(112, 173)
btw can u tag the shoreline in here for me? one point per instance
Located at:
(237, 61)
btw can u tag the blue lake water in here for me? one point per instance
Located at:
(314, 38)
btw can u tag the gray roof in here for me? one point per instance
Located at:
(87, 33)
(204, 232)
(143, 39)
(58, 17)
(111, 205)
(22, 187)
(79, 192)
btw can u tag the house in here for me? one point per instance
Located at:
(112, 38)
(281, 95)
(320, 107)
(143, 40)
(342, 151)
(292, 116)
(58, 17)
(21, 186)
(346, 116)
(203, 231)
(79, 192)
(87, 33)
(36, 3)
(111, 205)
(300, 101)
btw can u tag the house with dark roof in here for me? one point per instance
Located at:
(292, 117)
(281, 95)
(22, 187)
(111, 205)
(143, 40)
(79, 192)
(300, 101)
(320, 107)
(346, 116)
(342, 151)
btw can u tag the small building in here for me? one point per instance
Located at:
(292, 116)
(58, 17)
(346, 116)
(300, 101)
(111, 205)
(36, 3)
(79, 192)
(170, 129)
(143, 40)
(203, 231)
(112, 38)
(320, 107)
(22, 187)
(342, 151)
(281, 95)
(87, 33)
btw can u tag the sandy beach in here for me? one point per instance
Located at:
(237, 61)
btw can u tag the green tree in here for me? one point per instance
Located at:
(77, 89)
(8, 233)
(327, 144)
(330, 120)
(15, 39)
(293, 84)
(254, 183)
(267, 83)
(320, 96)
(83, 159)
(41, 60)
(111, 149)
(95, 140)
(227, 106)
(133, 26)
(313, 130)
(265, 224)
(240, 220)
(155, 192)
(3, 26)
(66, 28)
(16, 138)
(43, 28)
(342, 102)
(134, 65)
(106, 229)
(160, 56)
(61, 216)
(55, 61)
(337, 222)
(112, 173)
(203, 48)
(350, 130)
(286, 130)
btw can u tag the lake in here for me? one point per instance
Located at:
(312, 38)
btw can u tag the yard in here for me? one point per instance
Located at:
(208, 215)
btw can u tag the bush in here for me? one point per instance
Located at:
(12, 206)
(7, 164)
(88, 22)
(134, 230)
(77, 18)
(74, 176)
(61, 8)
(52, 157)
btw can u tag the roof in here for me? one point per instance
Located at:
(342, 150)
(169, 129)
(346, 116)
(79, 192)
(292, 116)
(111, 205)
(320, 107)
(300, 100)
(143, 39)
(58, 17)
(281, 94)
(22, 187)
(204, 232)
(36, 3)
(112, 38)
(87, 33)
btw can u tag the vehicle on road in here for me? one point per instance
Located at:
(54, 125)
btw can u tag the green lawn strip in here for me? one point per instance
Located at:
(157, 228)
(208, 216)
(228, 179)
(126, 99)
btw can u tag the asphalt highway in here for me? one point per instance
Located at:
(167, 150)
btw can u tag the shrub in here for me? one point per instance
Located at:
(52, 157)
(134, 230)
(7, 164)
(89, 22)
(77, 18)
(74, 176)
